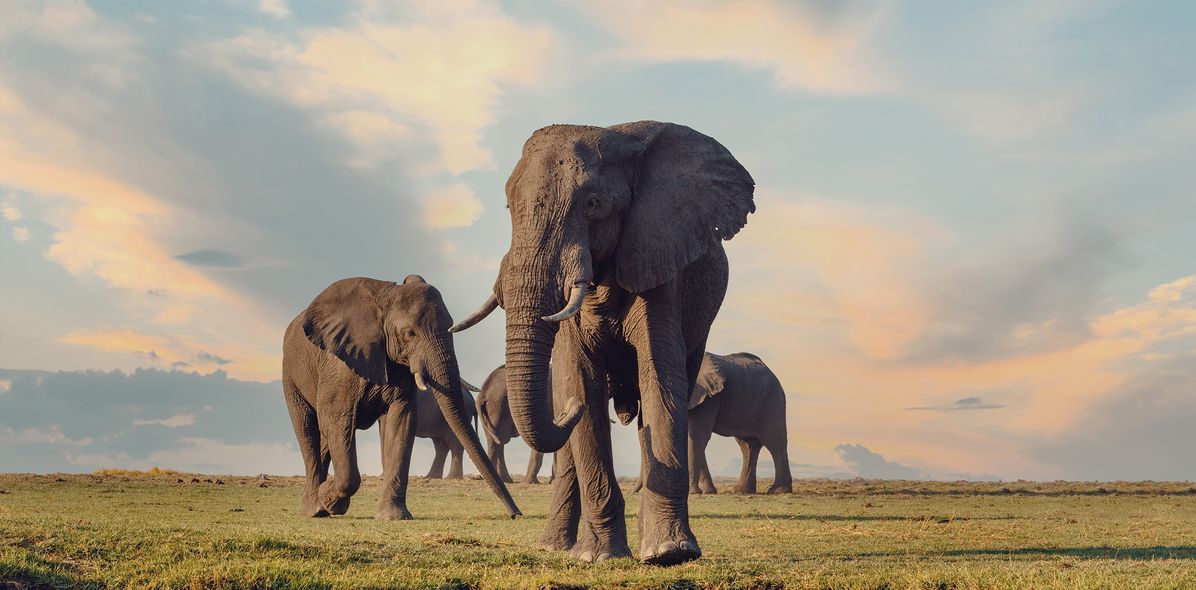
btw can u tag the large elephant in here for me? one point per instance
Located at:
(356, 355)
(737, 395)
(431, 423)
(494, 412)
(616, 271)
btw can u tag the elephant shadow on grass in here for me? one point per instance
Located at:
(844, 517)
(1152, 553)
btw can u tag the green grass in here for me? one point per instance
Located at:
(133, 530)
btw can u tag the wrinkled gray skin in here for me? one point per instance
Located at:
(355, 356)
(737, 395)
(494, 413)
(432, 424)
(639, 211)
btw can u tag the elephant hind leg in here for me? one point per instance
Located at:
(315, 456)
(533, 467)
(783, 480)
(456, 471)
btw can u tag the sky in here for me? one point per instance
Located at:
(971, 256)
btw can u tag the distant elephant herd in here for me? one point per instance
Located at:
(615, 273)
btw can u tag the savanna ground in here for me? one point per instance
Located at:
(182, 531)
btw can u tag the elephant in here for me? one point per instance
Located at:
(494, 412)
(615, 271)
(430, 423)
(737, 395)
(356, 355)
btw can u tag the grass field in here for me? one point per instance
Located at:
(184, 531)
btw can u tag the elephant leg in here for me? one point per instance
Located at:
(565, 512)
(533, 467)
(665, 377)
(436, 471)
(782, 482)
(750, 448)
(503, 472)
(497, 453)
(602, 533)
(701, 424)
(552, 472)
(341, 435)
(396, 428)
(307, 432)
(456, 471)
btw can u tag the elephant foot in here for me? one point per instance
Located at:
(781, 488)
(310, 507)
(392, 513)
(743, 488)
(596, 546)
(665, 539)
(533, 480)
(555, 541)
(456, 477)
(332, 499)
(433, 476)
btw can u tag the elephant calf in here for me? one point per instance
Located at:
(432, 424)
(737, 395)
(494, 411)
(357, 355)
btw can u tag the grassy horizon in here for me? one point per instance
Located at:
(178, 530)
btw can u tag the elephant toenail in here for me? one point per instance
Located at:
(587, 556)
(602, 557)
(666, 547)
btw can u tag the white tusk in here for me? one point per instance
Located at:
(419, 380)
(490, 305)
(576, 297)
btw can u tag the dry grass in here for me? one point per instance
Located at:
(189, 531)
(151, 472)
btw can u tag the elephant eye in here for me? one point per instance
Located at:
(408, 333)
(592, 203)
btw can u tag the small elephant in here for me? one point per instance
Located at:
(494, 412)
(358, 354)
(432, 424)
(615, 271)
(737, 395)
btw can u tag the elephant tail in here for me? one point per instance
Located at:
(487, 423)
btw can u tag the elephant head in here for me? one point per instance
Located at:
(397, 334)
(635, 203)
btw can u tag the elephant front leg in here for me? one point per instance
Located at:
(437, 469)
(397, 431)
(564, 514)
(533, 467)
(456, 470)
(665, 535)
(307, 432)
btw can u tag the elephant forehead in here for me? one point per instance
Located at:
(421, 305)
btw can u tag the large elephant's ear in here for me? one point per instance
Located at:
(688, 194)
(711, 381)
(346, 321)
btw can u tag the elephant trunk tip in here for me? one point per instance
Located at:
(565, 423)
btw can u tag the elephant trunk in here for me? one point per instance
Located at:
(529, 348)
(451, 399)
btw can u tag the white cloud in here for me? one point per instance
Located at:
(806, 46)
(205, 455)
(452, 206)
(5, 386)
(274, 8)
(10, 213)
(52, 436)
(440, 70)
(20, 234)
(174, 421)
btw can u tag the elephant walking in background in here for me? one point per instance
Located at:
(494, 412)
(615, 271)
(431, 423)
(737, 395)
(360, 353)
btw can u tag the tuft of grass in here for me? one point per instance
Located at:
(151, 472)
(185, 531)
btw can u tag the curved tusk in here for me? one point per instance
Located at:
(419, 380)
(576, 296)
(490, 305)
(468, 385)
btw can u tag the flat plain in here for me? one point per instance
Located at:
(196, 531)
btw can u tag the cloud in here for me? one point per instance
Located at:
(967, 403)
(174, 421)
(213, 258)
(20, 234)
(202, 357)
(384, 72)
(807, 46)
(10, 213)
(274, 8)
(452, 206)
(5, 386)
(868, 464)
